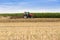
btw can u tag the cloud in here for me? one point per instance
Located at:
(43, 1)
(53, 0)
(11, 7)
(31, 6)
(16, 9)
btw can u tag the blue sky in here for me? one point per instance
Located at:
(29, 5)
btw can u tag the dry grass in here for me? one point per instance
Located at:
(30, 30)
(31, 20)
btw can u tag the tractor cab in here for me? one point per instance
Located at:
(27, 15)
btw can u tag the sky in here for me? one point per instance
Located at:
(17, 6)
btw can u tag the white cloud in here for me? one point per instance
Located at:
(24, 6)
(52, 0)
(44, 1)
(13, 9)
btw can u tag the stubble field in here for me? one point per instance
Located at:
(47, 29)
